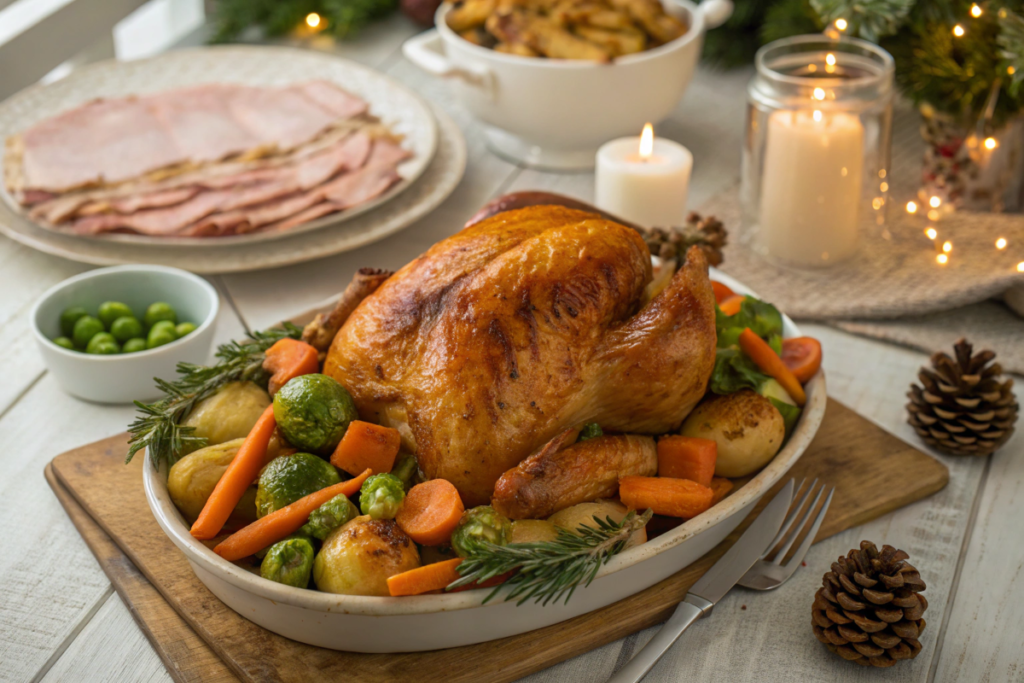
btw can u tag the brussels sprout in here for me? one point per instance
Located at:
(313, 412)
(69, 317)
(103, 343)
(591, 430)
(290, 477)
(160, 334)
(360, 557)
(111, 311)
(125, 328)
(64, 342)
(228, 414)
(381, 495)
(406, 468)
(289, 562)
(158, 312)
(86, 328)
(181, 329)
(336, 512)
(482, 524)
(134, 345)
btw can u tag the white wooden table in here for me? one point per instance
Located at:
(61, 620)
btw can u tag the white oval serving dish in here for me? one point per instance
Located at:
(431, 622)
(554, 113)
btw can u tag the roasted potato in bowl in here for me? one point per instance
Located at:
(358, 558)
(747, 428)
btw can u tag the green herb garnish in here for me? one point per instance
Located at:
(157, 426)
(733, 369)
(549, 570)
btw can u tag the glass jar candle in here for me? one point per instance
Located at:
(816, 153)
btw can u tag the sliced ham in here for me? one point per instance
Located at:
(113, 141)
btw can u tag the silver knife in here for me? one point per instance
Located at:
(711, 587)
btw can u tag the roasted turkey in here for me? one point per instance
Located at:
(527, 323)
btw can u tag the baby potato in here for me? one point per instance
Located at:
(571, 518)
(533, 531)
(747, 428)
(358, 558)
(193, 478)
(228, 414)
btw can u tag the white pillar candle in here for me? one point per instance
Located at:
(645, 186)
(811, 193)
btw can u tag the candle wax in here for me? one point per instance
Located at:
(649, 192)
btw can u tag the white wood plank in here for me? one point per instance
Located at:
(986, 623)
(51, 581)
(111, 647)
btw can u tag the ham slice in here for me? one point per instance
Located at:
(112, 141)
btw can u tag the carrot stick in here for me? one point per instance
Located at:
(239, 475)
(722, 291)
(720, 486)
(802, 355)
(765, 358)
(687, 457)
(731, 306)
(669, 497)
(287, 359)
(367, 446)
(282, 522)
(431, 577)
(431, 512)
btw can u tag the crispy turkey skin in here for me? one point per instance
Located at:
(508, 332)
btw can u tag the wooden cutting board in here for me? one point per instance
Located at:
(199, 639)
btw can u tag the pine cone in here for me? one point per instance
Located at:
(963, 408)
(672, 243)
(869, 608)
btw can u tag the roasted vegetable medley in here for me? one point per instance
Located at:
(294, 486)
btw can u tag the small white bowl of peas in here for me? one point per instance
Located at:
(106, 334)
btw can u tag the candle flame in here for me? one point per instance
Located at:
(991, 143)
(312, 19)
(817, 115)
(647, 142)
(1001, 243)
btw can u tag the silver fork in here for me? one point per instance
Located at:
(768, 574)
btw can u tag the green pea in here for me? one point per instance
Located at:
(86, 328)
(184, 328)
(112, 310)
(134, 345)
(161, 333)
(103, 343)
(126, 327)
(158, 312)
(64, 342)
(69, 317)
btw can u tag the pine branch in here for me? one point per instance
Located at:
(158, 425)
(868, 19)
(550, 570)
(1011, 47)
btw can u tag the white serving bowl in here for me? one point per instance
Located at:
(555, 113)
(128, 377)
(430, 622)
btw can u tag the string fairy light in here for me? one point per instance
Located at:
(931, 233)
(911, 207)
(312, 20)
(819, 94)
(841, 24)
(942, 259)
(1001, 243)
(1020, 267)
(958, 31)
(935, 202)
(975, 11)
(991, 143)
(947, 247)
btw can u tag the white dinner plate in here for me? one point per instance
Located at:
(402, 110)
(431, 622)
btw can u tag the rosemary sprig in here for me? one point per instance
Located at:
(157, 426)
(549, 570)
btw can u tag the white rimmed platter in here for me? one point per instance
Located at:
(400, 108)
(430, 622)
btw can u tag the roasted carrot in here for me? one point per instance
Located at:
(367, 446)
(720, 486)
(765, 358)
(731, 306)
(669, 497)
(239, 475)
(722, 291)
(802, 355)
(430, 577)
(282, 522)
(687, 457)
(287, 359)
(431, 512)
